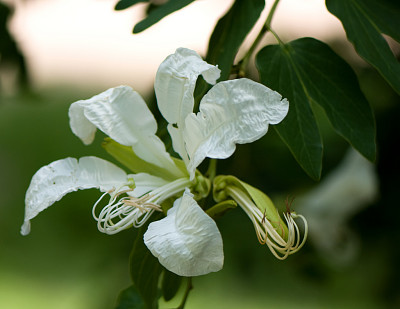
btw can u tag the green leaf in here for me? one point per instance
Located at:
(364, 21)
(170, 284)
(126, 156)
(159, 13)
(199, 91)
(124, 4)
(307, 71)
(299, 129)
(227, 37)
(230, 32)
(130, 299)
(145, 270)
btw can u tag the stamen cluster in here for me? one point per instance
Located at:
(282, 239)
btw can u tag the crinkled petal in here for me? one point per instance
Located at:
(175, 83)
(187, 241)
(145, 183)
(232, 112)
(123, 115)
(53, 181)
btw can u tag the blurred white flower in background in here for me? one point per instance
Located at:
(346, 191)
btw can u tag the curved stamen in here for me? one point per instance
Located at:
(95, 205)
(293, 243)
(123, 212)
(126, 212)
(266, 232)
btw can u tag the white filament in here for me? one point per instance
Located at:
(266, 232)
(123, 212)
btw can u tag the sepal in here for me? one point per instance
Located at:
(218, 210)
(126, 156)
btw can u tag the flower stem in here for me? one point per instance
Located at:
(265, 28)
(189, 287)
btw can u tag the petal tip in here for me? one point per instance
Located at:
(26, 228)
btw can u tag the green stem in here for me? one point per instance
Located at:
(276, 37)
(265, 28)
(271, 13)
(189, 287)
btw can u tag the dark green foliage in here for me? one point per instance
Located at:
(10, 54)
(364, 22)
(130, 299)
(124, 4)
(155, 13)
(145, 270)
(307, 71)
(159, 13)
(170, 284)
(228, 35)
(230, 32)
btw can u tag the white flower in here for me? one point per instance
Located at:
(343, 193)
(237, 111)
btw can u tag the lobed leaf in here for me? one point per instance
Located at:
(299, 129)
(364, 22)
(307, 71)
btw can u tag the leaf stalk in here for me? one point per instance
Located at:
(264, 30)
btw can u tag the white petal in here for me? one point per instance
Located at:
(118, 112)
(174, 86)
(232, 112)
(177, 142)
(145, 183)
(123, 115)
(175, 82)
(187, 241)
(53, 181)
(80, 125)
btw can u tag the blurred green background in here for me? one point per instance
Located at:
(66, 263)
